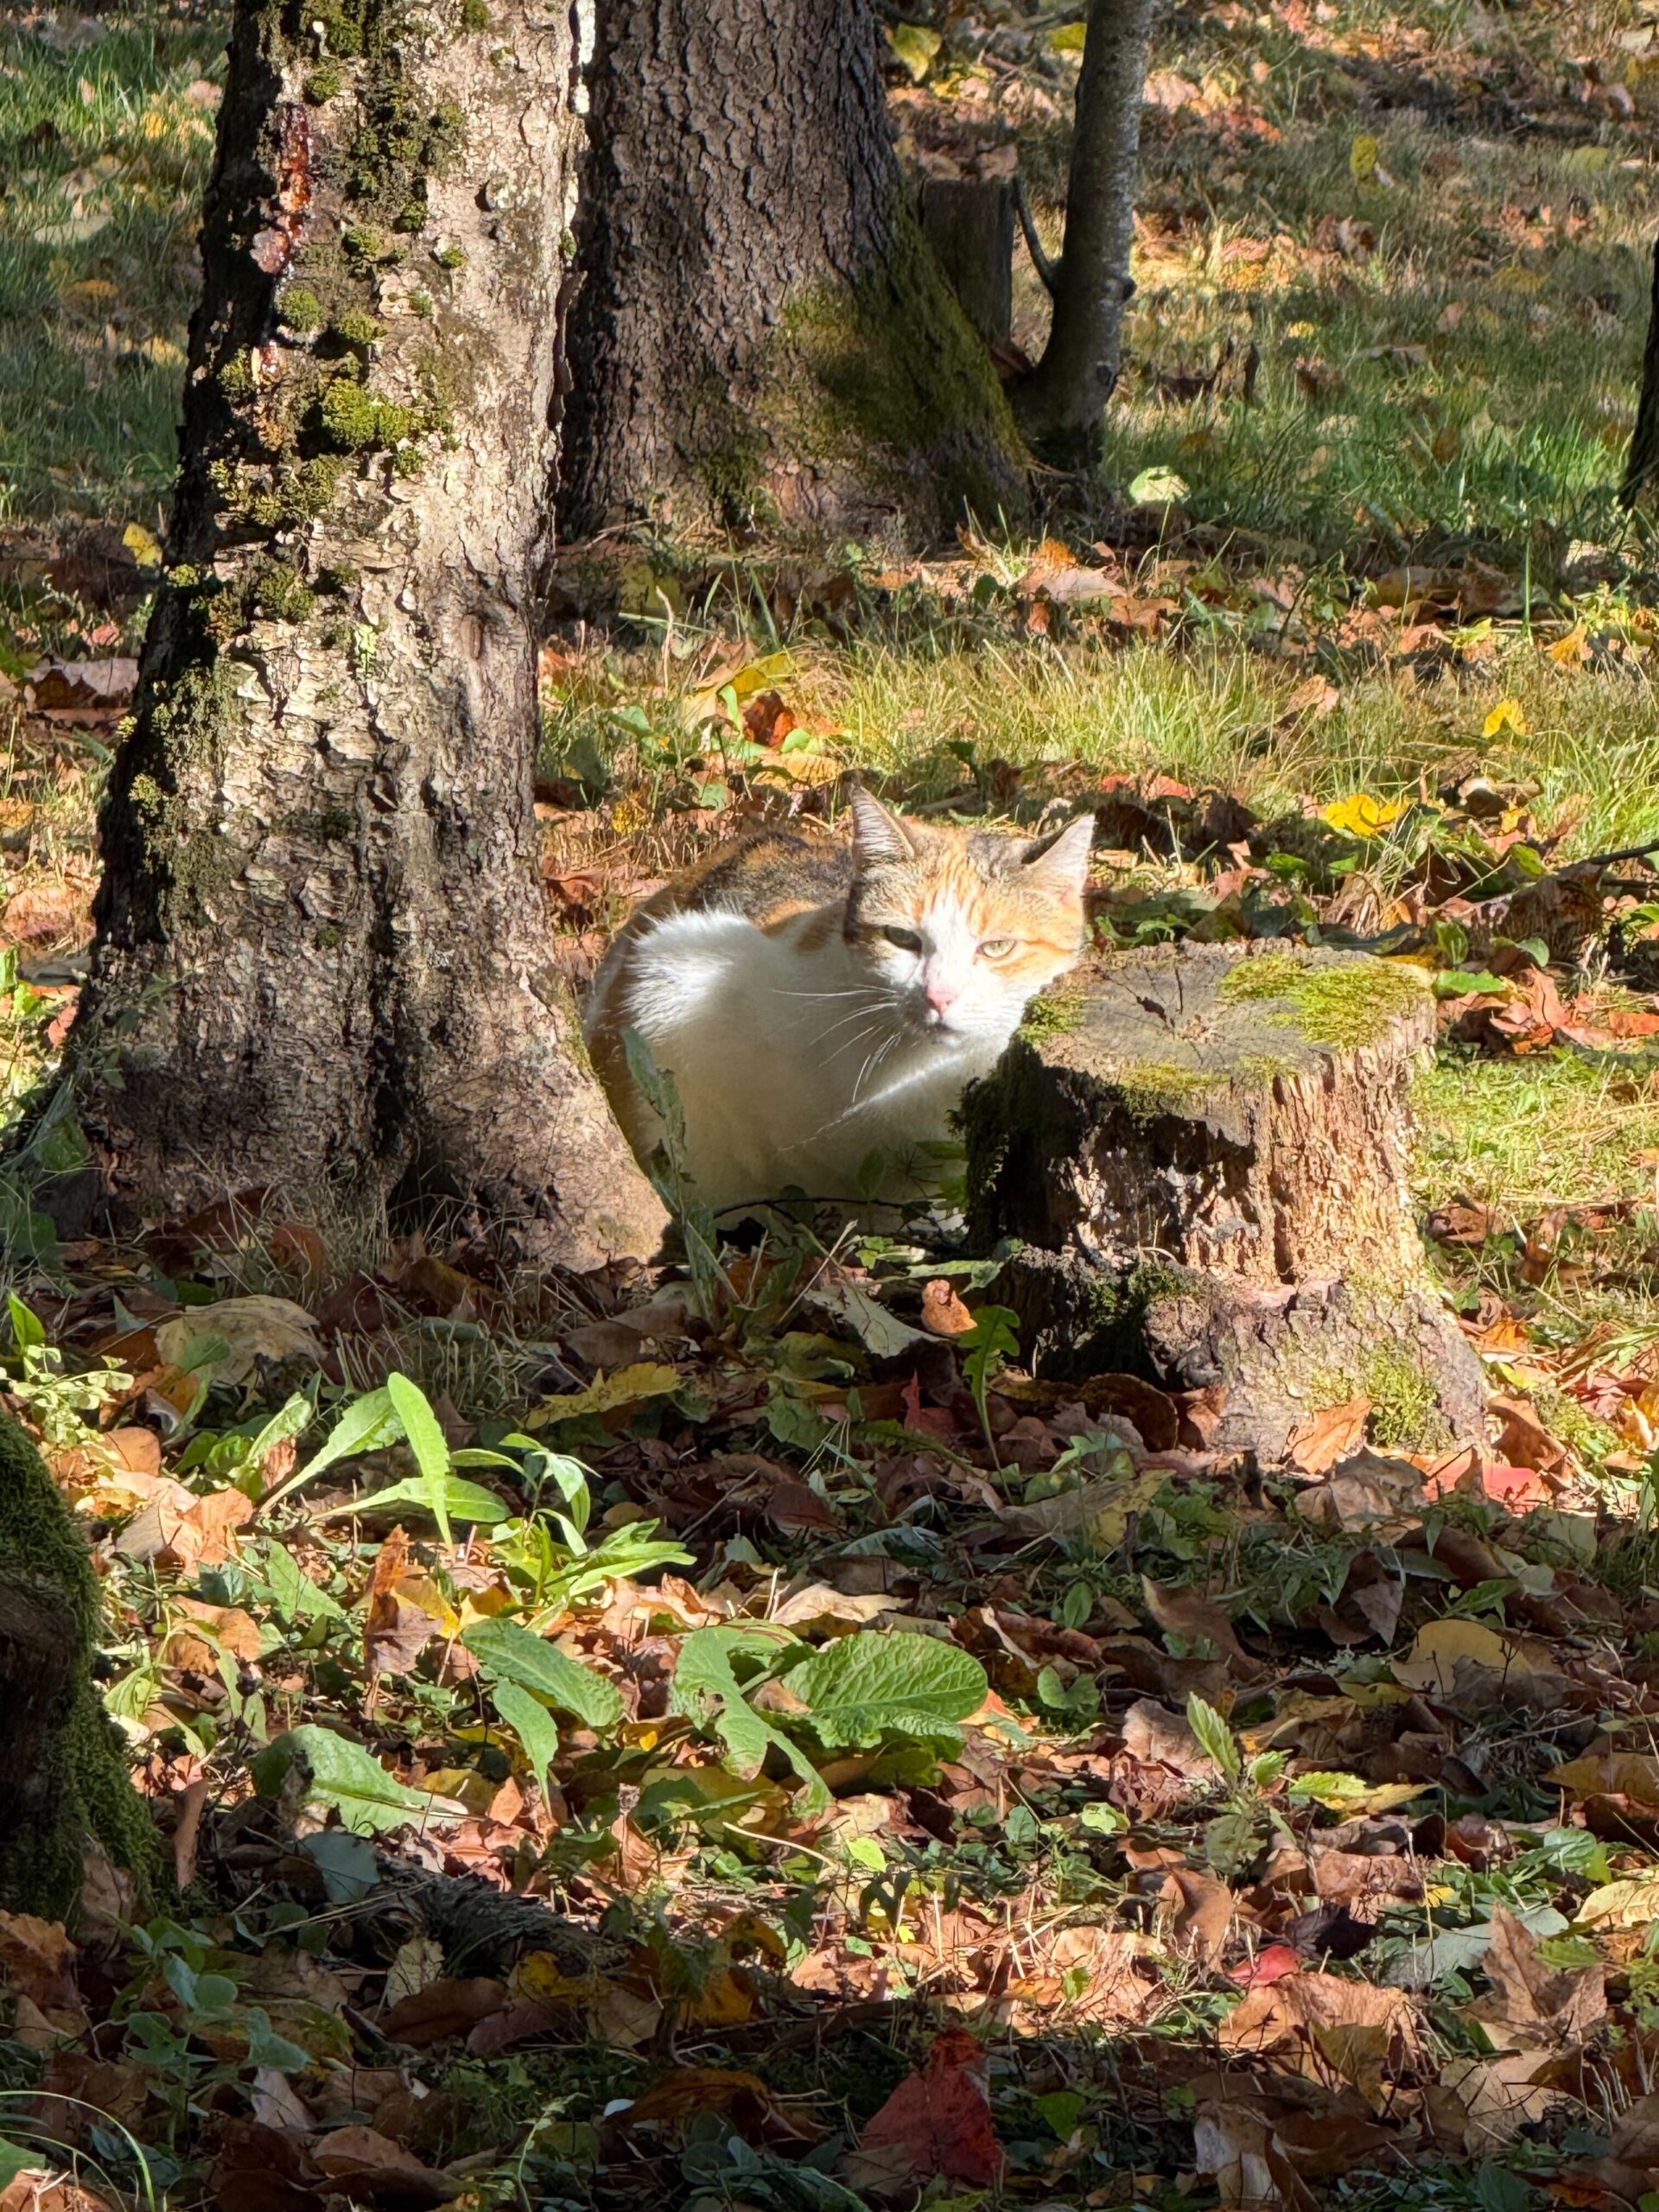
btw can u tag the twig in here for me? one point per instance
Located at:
(1035, 246)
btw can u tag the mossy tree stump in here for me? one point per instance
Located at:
(1203, 1151)
(64, 1781)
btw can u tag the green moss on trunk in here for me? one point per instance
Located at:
(77, 1786)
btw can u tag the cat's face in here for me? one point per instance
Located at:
(960, 928)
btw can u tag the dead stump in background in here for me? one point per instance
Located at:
(969, 222)
(1203, 1151)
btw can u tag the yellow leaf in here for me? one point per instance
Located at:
(538, 1974)
(916, 45)
(1571, 651)
(761, 675)
(1363, 157)
(1619, 1774)
(1432, 1664)
(1069, 38)
(1362, 815)
(464, 1785)
(645, 1378)
(1347, 1794)
(1506, 715)
(143, 545)
(1621, 1905)
(723, 2002)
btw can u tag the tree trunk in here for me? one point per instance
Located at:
(761, 330)
(1204, 1154)
(323, 961)
(1643, 467)
(64, 1782)
(1060, 404)
(969, 222)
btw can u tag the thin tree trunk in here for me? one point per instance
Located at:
(322, 956)
(1643, 467)
(1060, 404)
(761, 328)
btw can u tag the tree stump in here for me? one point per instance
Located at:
(969, 222)
(1202, 1152)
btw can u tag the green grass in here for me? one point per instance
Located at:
(1521, 1136)
(104, 155)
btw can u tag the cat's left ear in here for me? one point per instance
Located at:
(877, 835)
(1060, 864)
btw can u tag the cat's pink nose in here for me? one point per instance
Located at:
(941, 997)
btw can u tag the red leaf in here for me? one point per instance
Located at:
(937, 2121)
(1272, 1963)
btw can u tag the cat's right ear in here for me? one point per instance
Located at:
(878, 836)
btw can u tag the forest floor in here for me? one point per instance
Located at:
(1249, 1843)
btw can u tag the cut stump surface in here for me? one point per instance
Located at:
(1204, 1151)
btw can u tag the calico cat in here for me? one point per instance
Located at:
(820, 998)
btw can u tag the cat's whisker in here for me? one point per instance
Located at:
(871, 1065)
(859, 1014)
(862, 991)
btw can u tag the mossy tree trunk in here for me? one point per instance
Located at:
(64, 1782)
(760, 328)
(322, 956)
(1061, 402)
(1642, 469)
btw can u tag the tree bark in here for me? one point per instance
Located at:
(1060, 404)
(1204, 1154)
(969, 222)
(323, 961)
(1643, 467)
(64, 1781)
(761, 329)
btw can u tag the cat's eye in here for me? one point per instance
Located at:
(996, 948)
(907, 940)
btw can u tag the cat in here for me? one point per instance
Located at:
(817, 998)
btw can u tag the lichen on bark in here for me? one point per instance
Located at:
(323, 956)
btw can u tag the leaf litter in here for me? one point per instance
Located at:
(755, 1751)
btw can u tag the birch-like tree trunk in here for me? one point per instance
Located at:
(323, 961)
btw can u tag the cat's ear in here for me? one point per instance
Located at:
(877, 835)
(1060, 864)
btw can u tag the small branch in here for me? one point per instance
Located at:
(1035, 246)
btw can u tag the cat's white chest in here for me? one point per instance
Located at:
(791, 1067)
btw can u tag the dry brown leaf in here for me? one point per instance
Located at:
(1322, 2024)
(1528, 1997)
(251, 1328)
(1157, 1737)
(448, 2007)
(1235, 2148)
(1200, 1912)
(1335, 1432)
(943, 1311)
(38, 1961)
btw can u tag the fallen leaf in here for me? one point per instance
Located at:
(1200, 1912)
(250, 1329)
(1332, 1434)
(943, 1313)
(938, 2121)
